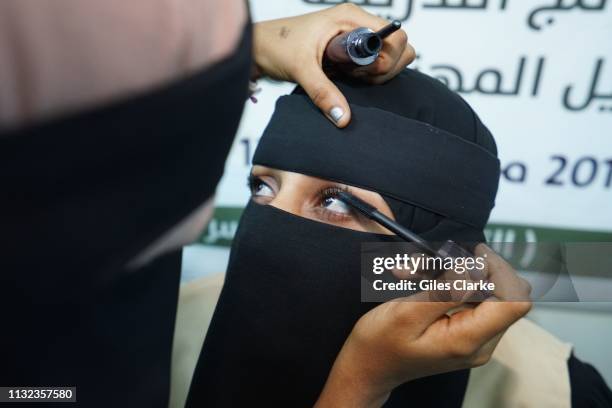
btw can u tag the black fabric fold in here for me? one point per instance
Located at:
(589, 389)
(402, 158)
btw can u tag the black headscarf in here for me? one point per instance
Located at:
(418, 144)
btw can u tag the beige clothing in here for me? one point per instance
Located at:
(528, 368)
(197, 301)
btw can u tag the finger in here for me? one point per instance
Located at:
(406, 58)
(387, 58)
(472, 328)
(405, 274)
(414, 270)
(484, 353)
(393, 58)
(420, 316)
(324, 94)
(449, 285)
(422, 306)
(395, 54)
(508, 285)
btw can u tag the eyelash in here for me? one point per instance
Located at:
(252, 182)
(328, 192)
(331, 192)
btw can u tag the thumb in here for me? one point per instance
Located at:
(325, 95)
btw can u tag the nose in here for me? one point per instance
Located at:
(292, 194)
(288, 201)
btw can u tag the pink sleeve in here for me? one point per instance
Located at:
(61, 56)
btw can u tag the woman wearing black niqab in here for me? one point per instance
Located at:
(411, 140)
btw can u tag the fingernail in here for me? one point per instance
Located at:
(336, 113)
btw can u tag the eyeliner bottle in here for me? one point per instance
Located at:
(358, 47)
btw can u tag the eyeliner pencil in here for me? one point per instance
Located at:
(389, 29)
(374, 214)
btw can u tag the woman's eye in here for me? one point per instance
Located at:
(335, 205)
(261, 189)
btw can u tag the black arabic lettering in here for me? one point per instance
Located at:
(463, 4)
(489, 81)
(560, 6)
(538, 76)
(592, 93)
(496, 76)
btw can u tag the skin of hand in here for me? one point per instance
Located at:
(292, 49)
(400, 341)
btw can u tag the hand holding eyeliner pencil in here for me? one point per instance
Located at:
(449, 249)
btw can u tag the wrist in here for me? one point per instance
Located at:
(260, 32)
(256, 72)
(351, 384)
